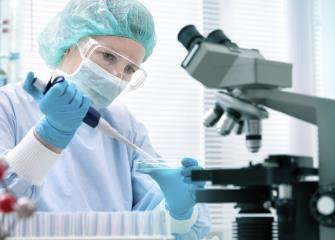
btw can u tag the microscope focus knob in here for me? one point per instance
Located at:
(322, 205)
(326, 205)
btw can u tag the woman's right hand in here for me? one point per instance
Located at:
(64, 107)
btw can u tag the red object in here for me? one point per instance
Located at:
(2, 170)
(5, 30)
(7, 202)
(5, 21)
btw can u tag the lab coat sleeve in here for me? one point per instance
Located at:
(8, 124)
(200, 228)
(147, 195)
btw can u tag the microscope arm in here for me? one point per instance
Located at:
(318, 111)
(296, 105)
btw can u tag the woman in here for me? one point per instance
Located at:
(65, 165)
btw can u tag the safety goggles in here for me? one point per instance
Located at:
(113, 63)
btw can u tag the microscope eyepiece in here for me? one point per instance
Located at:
(189, 36)
(218, 36)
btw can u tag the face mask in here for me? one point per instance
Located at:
(95, 83)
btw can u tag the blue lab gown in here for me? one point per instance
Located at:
(94, 173)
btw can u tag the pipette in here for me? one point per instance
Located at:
(93, 118)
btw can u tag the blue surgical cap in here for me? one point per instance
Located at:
(82, 18)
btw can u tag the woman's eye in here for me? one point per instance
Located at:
(130, 69)
(108, 57)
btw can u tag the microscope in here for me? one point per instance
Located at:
(302, 197)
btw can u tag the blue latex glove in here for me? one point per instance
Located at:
(64, 108)
(178, 190)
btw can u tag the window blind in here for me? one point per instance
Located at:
(320, 87)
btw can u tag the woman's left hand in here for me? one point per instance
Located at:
(178, 190)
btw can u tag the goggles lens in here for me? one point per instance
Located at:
(114, 63)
